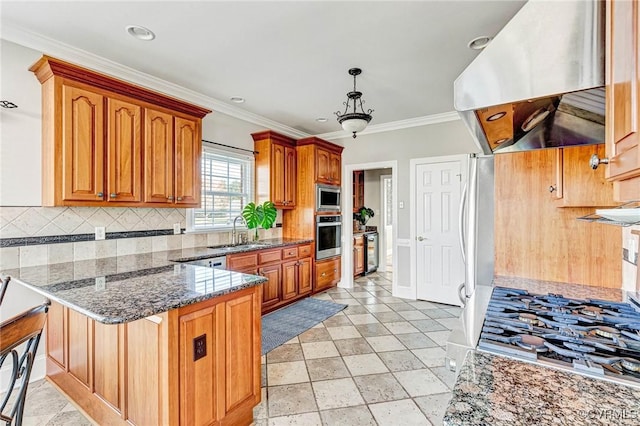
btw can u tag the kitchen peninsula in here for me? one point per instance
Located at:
(143, 340)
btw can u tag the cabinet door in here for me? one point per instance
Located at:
(327, 273)
(188, 149)
(577, 184)
(358, 263)
(158, 157)
(623, 87)
(242, 353)
(202, 336)
(124, 153)
(290, 176)
(289, 280)
(278, 175)
(323, 166)
(82, 145)
(304, 275)
(270, 289)
(336, 168)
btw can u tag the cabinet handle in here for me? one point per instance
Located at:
(595, 161)
(552, 188)
(324, 274)
(335, 270)
(179, 198)
(113, 195)
(170, 198)
(100, 194)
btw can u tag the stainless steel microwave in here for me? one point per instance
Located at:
(327, 198)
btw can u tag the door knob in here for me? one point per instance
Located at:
(179, 198)
(113, 195)
(100, 194)
(595, 161)
(419, 238)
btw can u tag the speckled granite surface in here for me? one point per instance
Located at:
(137, 286)
(203, 253)
(495, 390)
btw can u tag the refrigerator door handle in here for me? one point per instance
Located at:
(461, 230)
(463, 299)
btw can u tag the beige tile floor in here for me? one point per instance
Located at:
(378, 362)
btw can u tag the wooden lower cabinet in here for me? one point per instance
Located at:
(327, 273)
(358, 255)
(146, 373)
(271, 289)
(289, 272)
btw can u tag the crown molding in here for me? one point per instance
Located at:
(397, 125)
(66, 52)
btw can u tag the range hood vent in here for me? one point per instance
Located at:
(539, 83)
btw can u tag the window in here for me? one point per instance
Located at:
(227, 186)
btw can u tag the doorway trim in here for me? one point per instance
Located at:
(347, 219)
(382, 240)
(413, 163)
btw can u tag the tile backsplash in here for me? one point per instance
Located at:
(20, 222)
(16, 222)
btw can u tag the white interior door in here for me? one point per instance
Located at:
(440, 268)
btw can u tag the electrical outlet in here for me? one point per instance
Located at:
(176, 228)
(100, 233)
(199, 347)
(401, 205)
(101, 283)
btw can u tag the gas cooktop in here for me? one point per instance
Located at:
(593, 337)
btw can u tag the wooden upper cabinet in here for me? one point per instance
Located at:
(92, 121)
(358, 190)
(276, 169)
(188, 151)
(82, 145)
(623, 93)
(323, 166)
(158, 156)
(328, 167)
(577, 185)
(124, 153)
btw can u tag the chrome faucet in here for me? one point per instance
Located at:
(234, 234)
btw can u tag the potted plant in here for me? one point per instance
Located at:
(261, 215)
(363, 215)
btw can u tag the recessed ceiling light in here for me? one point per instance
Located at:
(321, 120)
(479, 43)
(237, 99)
(141, 33)
(496, 116)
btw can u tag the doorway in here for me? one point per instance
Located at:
(372, 197)
(437, 263)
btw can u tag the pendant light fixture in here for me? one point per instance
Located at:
(351, 120)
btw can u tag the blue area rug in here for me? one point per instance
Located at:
(284, 324)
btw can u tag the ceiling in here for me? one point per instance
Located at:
(289, 60)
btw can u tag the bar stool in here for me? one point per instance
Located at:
(25, 328)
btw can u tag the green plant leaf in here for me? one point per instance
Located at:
(250, 215)
(261, 215)
(269, 215)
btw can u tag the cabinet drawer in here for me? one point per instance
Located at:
(289, 253)
(304, 251)
(269, 256)
(327, 273)
(238, 262)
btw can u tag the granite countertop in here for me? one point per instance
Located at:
(495, 390)
(121, 289)
(186, 255)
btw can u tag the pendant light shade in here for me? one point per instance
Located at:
(351, 119)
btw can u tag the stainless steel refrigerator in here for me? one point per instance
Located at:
(476, 225)
(476, 240)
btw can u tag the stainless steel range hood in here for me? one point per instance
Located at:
(539, 83)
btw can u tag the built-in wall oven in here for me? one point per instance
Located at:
(328, 236)
(327, 198)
